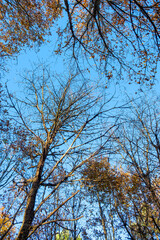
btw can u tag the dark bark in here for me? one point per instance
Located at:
(29, 212)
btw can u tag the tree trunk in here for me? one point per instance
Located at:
(29, 212)
(102, 218)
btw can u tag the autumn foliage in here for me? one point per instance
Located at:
(131, 200)
(24, 23)
(63, 152)
(5, 224)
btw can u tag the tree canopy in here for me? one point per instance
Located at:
(24, 22)
(121, 33)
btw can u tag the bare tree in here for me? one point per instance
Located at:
(139, 149)
(57, 126)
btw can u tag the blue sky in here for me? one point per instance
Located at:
(28, 59)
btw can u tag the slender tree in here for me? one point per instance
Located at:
(8, 160)
(133, 187)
